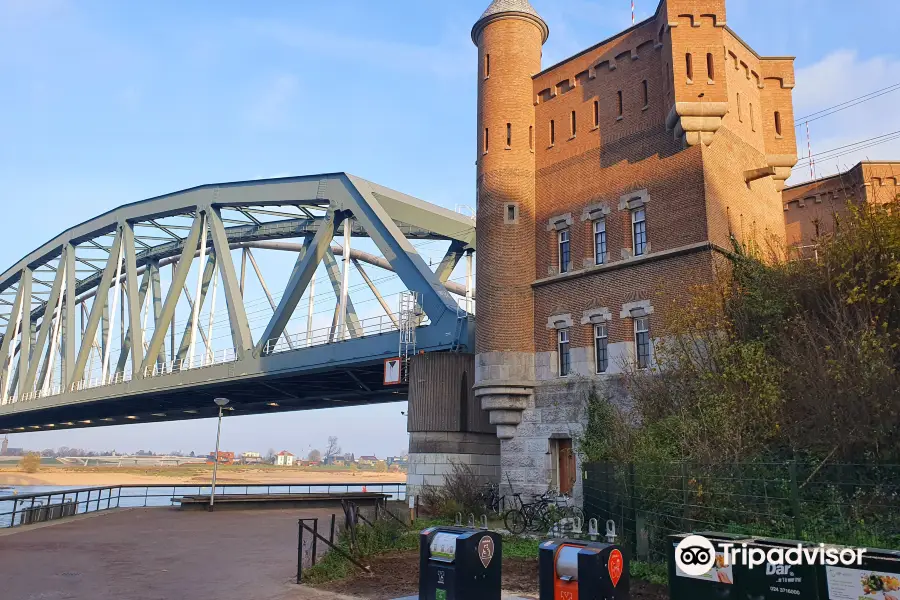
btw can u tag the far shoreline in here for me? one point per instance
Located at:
(192, 475)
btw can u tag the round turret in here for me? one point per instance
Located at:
(509, 36)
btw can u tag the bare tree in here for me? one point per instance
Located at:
(314, 456)
(332, 449)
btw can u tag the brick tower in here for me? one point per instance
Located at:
(509, 36)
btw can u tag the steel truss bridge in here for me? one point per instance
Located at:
(113, 321)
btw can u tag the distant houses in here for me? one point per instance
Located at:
(251, 458)
(225, 458)
(284, 459)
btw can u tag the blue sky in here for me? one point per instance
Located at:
(107, 102)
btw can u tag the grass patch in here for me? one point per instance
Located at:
(655, 573)
(381, 538)
(520, 547)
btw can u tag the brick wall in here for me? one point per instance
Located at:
(505, 257)
(812, 208)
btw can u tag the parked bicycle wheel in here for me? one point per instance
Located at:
(516, 521)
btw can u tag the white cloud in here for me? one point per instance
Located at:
(272, 106)
(839, 77)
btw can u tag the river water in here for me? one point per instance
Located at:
(135, 496)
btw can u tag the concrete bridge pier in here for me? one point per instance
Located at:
(446, 423)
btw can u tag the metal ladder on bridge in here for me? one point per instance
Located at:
(410, 314)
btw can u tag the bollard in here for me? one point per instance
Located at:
(459, 563)
(571, 569)
(593, 529)
(611, 531)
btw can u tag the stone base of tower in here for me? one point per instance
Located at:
(433, 455)
(533, 457)
(446, 423)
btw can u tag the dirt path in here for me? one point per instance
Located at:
(396, 575)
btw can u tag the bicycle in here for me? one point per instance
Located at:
(531, 515)
(492, 499)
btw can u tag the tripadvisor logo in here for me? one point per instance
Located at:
(696, 556)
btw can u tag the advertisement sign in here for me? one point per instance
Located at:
(858, 584)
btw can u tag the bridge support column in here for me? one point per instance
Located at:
(447, 425)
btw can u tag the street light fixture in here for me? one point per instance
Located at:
(221, 403)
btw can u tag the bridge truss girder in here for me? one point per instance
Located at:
(41, 325)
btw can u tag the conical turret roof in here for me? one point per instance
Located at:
(502, 8)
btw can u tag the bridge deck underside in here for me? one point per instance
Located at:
(327, 388)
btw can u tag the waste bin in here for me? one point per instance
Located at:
(576, 570)
(773, 581)
(459, 563)
(717, 583)
(877, 577)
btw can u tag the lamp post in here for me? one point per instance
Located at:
(221, 403)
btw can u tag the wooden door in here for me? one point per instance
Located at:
(567, 474)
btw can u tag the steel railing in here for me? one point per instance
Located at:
(326, 335)
(23, 509)
(199, 361)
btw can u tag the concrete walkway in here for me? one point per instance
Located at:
(158, 554)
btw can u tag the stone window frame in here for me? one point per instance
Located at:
(636, 310)
(595, 317)
(564, 332)
(595, 212)
(633, 201)
(558, 223)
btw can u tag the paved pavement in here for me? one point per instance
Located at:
(158, 554)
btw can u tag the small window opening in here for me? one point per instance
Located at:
(689, 67)
(596, 113)
(619, 104)
(486, 139)
(511, 212)
(740, 112)
(531, 136)
(752, 118)
(646, 89)
(710, 67)
(487, 65)
(777, 123)
(552, 132)
(574, 124)
(508, 135)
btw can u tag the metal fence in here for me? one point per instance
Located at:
(854, 504)
(24, 509)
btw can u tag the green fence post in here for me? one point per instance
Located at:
(685, 498)
(795, 500)
(632, 509)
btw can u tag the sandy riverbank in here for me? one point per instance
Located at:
(99, 476)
